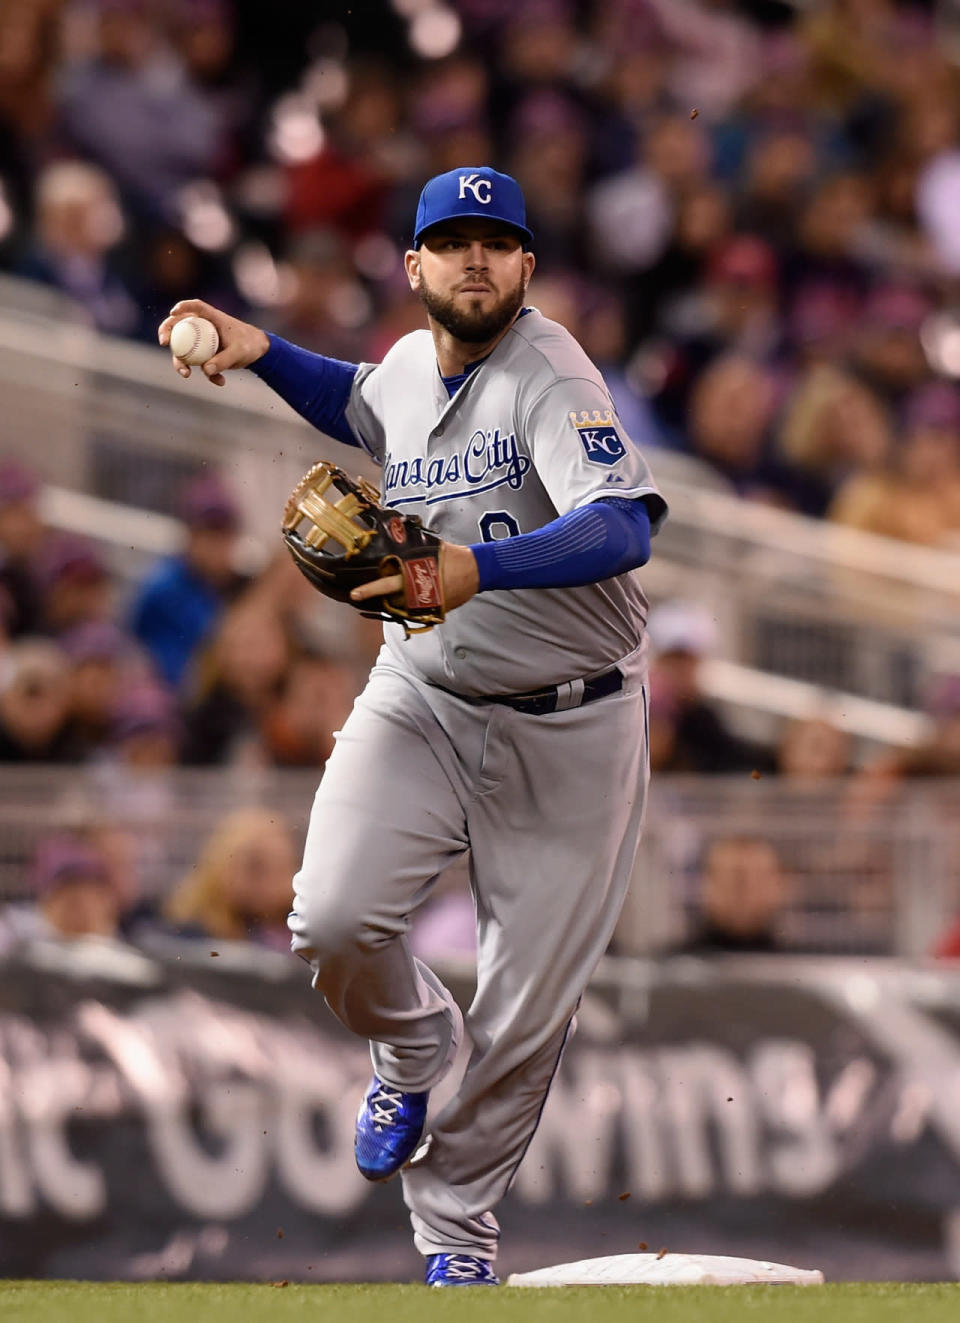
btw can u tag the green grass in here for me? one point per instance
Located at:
(94, 1302)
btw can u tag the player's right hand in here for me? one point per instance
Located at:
(240, 343)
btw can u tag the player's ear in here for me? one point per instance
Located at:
(411, 262)
(529, 262)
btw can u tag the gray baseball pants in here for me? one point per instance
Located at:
(551, 808)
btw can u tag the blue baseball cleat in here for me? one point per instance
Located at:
(460, 1270)
(389, 1125)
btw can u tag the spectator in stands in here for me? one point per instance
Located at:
(687, 733)
(739, 309)
(743, 898)
(821, 323)
(145, 730)
(741, 297)
(780, 165)
(549, 160)
(602, 332)
(203, 34)
(731, 308)
(74, 897)
(812, 750)
(832, 427)
(345, 185)
(238, 678)
(168, 263)
(120, 845)
(634, 82)
(34, 700)
(27, 113)
(103, 662)
(21, 535)
(79, 225)
(631, 214)
(888, 351)
(664, 303)
(314, 625)
(828, 242)
(182, 598)
(852, 46)
(894, 236)
(731, 409)
(314, 700)
(241, 887)
(131, 107)
(327, 306)
(75, 584)
(916, 496)
(448, 112)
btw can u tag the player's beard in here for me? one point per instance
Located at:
(471, 325)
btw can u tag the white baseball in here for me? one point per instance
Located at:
(194, 340)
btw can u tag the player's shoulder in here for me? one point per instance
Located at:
(411, 359)
(548, 351)
(413, 348)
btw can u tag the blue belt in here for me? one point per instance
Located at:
(555, 698)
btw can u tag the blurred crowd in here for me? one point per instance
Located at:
(197, 664)
(744, 209)
(85, 882)
(193, 665)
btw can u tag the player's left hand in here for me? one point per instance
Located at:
(458, 571)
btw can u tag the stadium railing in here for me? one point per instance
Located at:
(850, 878)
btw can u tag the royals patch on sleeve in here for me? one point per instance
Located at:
(599, 436)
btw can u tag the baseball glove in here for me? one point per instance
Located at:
(341, 543)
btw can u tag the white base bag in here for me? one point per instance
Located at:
(667, 1270)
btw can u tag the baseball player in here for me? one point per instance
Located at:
(516, 729)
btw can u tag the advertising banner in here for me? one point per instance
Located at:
(191, 1116)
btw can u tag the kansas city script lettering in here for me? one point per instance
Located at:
(489, 459)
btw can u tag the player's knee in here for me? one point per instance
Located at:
(332, 924)
(327, 930)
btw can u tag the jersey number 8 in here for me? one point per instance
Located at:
(498, 524)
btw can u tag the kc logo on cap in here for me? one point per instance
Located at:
(480, 188)
(472, 191)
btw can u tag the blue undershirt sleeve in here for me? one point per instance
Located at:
(596, 541)
(317, 387)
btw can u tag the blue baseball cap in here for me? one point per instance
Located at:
(472, 190)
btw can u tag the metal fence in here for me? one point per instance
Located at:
(811, 600)
(854, 874)
(845, 877)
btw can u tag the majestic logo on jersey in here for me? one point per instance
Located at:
(488, 460)
(599, 436)
(478, 186)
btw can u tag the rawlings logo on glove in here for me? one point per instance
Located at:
(339, 544)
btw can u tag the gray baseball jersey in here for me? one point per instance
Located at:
(531, 434)
(550, 806)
